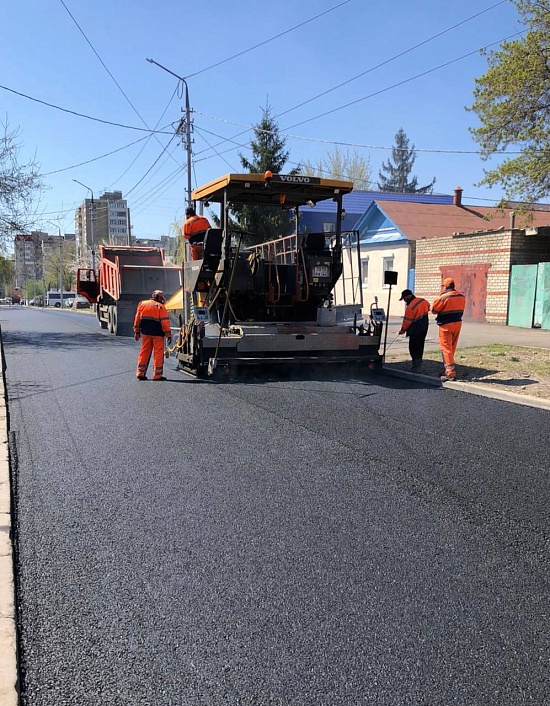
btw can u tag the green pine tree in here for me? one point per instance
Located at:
(268, 154)
(397, 174)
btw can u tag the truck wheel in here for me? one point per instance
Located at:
(114, 319)
(110, 318)
(102, 323)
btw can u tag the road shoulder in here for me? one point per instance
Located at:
(470, 388)
(8, 639)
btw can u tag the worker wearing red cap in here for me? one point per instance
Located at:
(194, 230)
(415, 326)
(449, 309)
(152, 326)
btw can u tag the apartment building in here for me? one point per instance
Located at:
(102, 220)
(35, 252)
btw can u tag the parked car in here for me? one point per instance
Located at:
(77, 303)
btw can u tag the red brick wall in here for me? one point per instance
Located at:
(501, 249)
(478, 248)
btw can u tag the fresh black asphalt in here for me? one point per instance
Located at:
(278, 538)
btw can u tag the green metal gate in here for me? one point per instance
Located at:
(523, 288)
(542, 298)
(529, 300)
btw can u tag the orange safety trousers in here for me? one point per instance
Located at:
(196, 251)
(448, 341)
(154, 345)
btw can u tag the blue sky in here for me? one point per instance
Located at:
(45, 55)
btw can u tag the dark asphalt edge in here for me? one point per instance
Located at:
(471, 388)
(8, 631)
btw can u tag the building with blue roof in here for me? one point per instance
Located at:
(321, 218)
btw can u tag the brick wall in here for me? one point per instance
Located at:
(473, 249)
(499, 249)
(530, 249)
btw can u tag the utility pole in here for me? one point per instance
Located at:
(61, 274)
(60, 263)
(92, 216)
(187, 126)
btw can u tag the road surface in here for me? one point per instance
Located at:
(271, 540)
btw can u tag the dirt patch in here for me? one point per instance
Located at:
(525, 371)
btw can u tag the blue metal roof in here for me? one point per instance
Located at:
(359, 201)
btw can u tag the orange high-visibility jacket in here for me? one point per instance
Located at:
(449, 307)
(415, 319)
(195, 224)
(152, 319)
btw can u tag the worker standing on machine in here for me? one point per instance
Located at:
(449, 309)
(152, 326)
(415, 326)
(194, 230)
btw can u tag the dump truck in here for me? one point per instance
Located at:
(126, 275)
(270, 303)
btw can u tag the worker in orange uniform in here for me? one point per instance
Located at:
(449, 309)
(152, 325)
(415, 326)
(194, 230)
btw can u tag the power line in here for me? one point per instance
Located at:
(95, 159)
(148, 138)
(261, 44)
(358, 100)
(136, 111)
(151, 167)
(82, 115)
(407, 80)
(393, 58)
(379, 65)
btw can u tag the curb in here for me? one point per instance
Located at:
(8, 636)
(471, 388)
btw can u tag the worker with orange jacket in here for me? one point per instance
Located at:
(152, 325)
(415, 326)
(449, 309)
(194, 230)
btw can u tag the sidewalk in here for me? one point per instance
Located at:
(472, 334)
(8, 650)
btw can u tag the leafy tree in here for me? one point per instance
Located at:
(32, 289)
(7, 273)
(512, 103)
(336, 165)
(176, 227)
(268, 154)
(63, 258)
(398, 171)
(19, 184)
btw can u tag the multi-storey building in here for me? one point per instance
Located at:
(28, 257)
(34, 252)
(167, 242)
(102, 220)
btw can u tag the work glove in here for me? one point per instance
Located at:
(136, 336)
(401, 332)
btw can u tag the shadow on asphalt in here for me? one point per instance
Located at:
(19, 341)
(465, 373)
(512, 382)
(348, 374)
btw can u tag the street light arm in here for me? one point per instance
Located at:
(91, 222)
(187, 125)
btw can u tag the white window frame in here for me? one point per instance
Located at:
(387, 266)
(365, 271)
